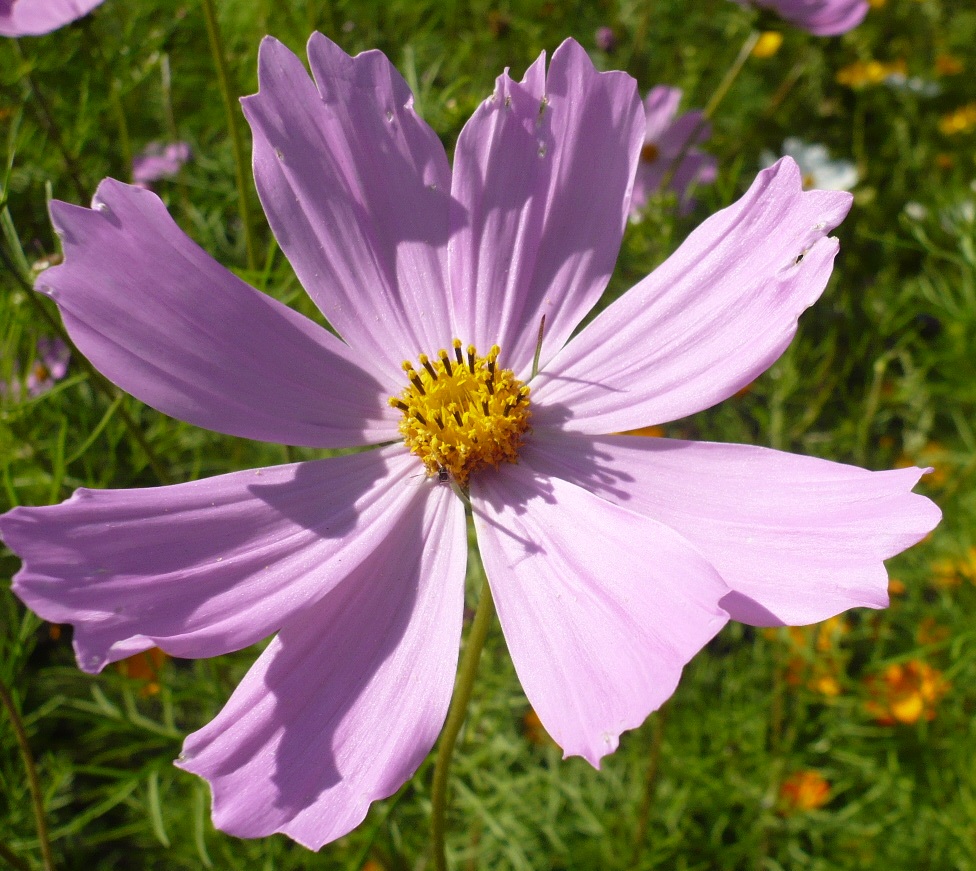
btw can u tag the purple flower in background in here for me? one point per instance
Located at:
(158, 161)
(665, 140)
(612, 559)
(606, 39)
(50, 365)
(36, 17)
(819, 17)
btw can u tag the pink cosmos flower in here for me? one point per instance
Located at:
(157, 161)
(36, 17)
(665, 139)
(612, 559)
(51, 365)
(819, 17)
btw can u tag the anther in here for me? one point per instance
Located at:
(415, 380)
(457, 415)
(457, 352)
(425, 362)
(484, 406)
(421, 418)
(439, 422)
(490, 385)
(446, 361)
(471, 353)
(396, 403)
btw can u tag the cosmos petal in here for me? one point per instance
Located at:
(705, 323)
(820, 17)
(37, 17)
(798, 539)
(355, 186)
(601, 607)
(165, 322)
(348, 699)
(210, 566)
(542, 179)
(679, 135)
(660, 107)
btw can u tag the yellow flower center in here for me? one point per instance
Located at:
(462, 414)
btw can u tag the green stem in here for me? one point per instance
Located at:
(455, 719)
(47, 119)
(234, 126)
(12, 859)
(732, 74)
(720, 92)
(32, 782)
(650, 784)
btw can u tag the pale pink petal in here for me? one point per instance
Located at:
(820, 17)
(210, 566)
(798, 539)
(356, 189)
(36, 17)
(690, 129)
(660, 107)
(167, 323)
(346, 702)
(542, 179)
(707, 321)
(601, 608)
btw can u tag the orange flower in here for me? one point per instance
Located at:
(930, 632)
(534, 731)
(947, 65)
(869, 72)
(145, 668)
(905, 692)
(803, 791)
(948, 572)
(817, 661)
(962, 120)
(652, 431)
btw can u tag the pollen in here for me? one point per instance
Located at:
(462, 412)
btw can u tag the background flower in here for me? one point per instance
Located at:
(818, 170)
(36, 17)
(819, 17)
(158, 160)
(669, 151)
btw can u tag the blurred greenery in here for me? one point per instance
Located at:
(881, 374)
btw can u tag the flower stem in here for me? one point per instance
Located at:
(723, 88)
(50, 125)
(455, 719)
(32, 782)
(650, 784)
(732, 74)
(234, 126)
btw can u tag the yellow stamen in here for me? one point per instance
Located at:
(459, 418)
